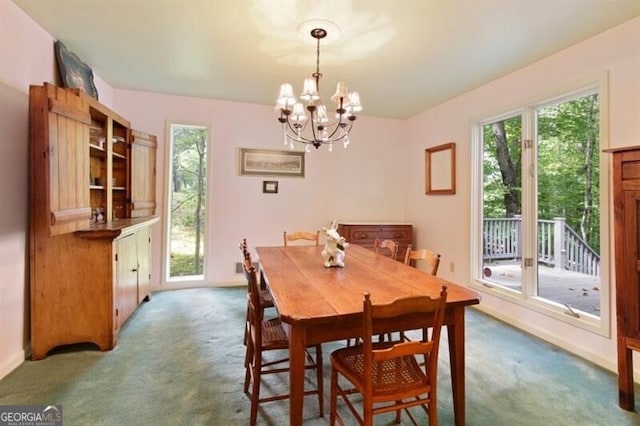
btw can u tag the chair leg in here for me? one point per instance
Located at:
(320, 379)
(398, 413)
(367, 413)
(245, 329)
(433, 409)
(248, 365)
(333, 397)
(255, 392)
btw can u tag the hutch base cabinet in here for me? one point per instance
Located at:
(86, 285)
(91, 206)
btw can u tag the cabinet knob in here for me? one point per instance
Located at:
(134, 270)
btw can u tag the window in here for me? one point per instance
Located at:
(186, 207)
(540, 217)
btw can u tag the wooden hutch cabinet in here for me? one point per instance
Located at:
(86, 275)
(364, 234)
(626, 208)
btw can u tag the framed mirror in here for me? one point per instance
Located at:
(440, 169)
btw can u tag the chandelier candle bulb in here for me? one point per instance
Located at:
(354, 102)
(321, 116)
(286, 97)
(341, 93)
(298, 113)
(310, 90)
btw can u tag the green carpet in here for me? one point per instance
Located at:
(179, 361)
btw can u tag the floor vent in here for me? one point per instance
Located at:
(240, 268)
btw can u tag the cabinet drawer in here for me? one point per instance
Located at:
(630, 170)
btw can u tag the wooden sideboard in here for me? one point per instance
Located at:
(364, 234)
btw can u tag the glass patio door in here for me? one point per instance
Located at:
(568, 204)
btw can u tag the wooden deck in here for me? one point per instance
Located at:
(580, 291)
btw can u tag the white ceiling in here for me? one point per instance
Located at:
(403, 56)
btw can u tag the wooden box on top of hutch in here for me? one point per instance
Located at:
(92, 203)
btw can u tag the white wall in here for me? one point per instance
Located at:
(363, 182)
(26, 57)
(617, 52)
(15, 75)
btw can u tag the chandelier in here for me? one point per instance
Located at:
(310, 124)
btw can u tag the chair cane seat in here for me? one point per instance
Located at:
(273, 335)
(389, 376)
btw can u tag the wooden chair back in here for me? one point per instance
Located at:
(387, 247)
(433, 311)
(432, 259)
(302, 235)
(243, 246)
(252, 286)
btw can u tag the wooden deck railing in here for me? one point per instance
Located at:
(559, 246)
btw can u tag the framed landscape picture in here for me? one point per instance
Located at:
(268, 162)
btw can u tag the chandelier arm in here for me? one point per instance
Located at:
(294, 129)
(338, 125)
(347, 130)
(313, 127)
(288, 128)
(292, 132)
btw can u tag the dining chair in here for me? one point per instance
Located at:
(388, 375)
(432, 259)
(410, 258)
(301, 235)
(266, 335)
(265, 298)
(387, 247)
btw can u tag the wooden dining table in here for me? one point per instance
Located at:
(318, 304)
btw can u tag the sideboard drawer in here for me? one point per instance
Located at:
(365, 234)
(383, 233)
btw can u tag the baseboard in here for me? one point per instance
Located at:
(13, 363)
(178, 285)
(605, 363)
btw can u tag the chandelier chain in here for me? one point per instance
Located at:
(317, 75)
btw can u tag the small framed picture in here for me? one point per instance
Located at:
(270, 186)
